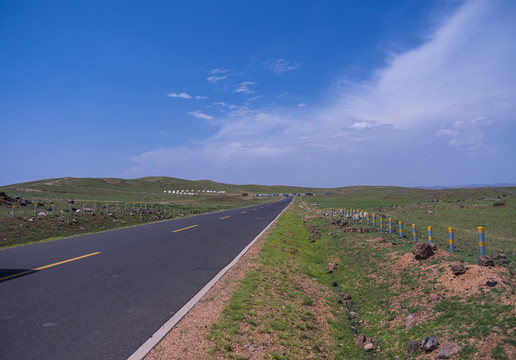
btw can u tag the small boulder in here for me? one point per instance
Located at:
(458, 268)
(414, 347)
(359, 342)
(448, 351)
(491, 283)
(410, 320)
(331, 266)
(422, 251)
(485, 260)
(430, 343)
(334, 284)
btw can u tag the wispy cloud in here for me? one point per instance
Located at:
(182, 95)
(200, 115)
(439, 92)
(244, 87)
(214, 79)
(281, 66)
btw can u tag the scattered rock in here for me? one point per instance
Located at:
(458, 268)
(368, 346)
(491, 283)
(448, 351)
(331, 266)
(499, 256)
(485, 260)
(345, 299)
(430, 343)
(413, 346)
(422, 251)
(42, 213)
(380, 240)
(433, 246)
(334, 284)
(359, 342)
(410, 320)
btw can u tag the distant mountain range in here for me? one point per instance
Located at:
(440, 187)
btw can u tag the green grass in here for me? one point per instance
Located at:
(381, 297)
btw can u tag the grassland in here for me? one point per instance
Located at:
(118, 203)
(288, 306)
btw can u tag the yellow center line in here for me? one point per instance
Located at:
(188, 227)
(46, 266)
(243, 212)
(225, 217)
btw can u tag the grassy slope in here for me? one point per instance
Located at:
(274, 312)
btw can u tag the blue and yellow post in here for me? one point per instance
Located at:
(400, 225)
(451, 240)
(95, 208)
(481, 240)
(14, 211)
(430, 238)
(53, 209)
(390, 225)
(36, 210)
(116, 207)
(414, 232)
(381, 224)
(83, 208)
(374, 220)
(70, 208)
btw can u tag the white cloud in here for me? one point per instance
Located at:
(201, 97)
(360, 125)
(281, 66)
(200, 115)
(467, 65)
(301, 105)
(438, 93)
(214, 79)
(243, 87)
(182, 95)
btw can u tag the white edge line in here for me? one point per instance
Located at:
(165, 329)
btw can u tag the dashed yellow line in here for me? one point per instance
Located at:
(225, 217)
(46, 266)
(243, 212)
(188, 227)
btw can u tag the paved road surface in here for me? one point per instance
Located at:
(101, 296)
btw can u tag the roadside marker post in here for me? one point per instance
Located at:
(390, 225)
(83, 208)
(374, 221)
(125, 206)
(54, 209)
(107, 207)
(451, 240)
(400, 224)
(95, 209)
(481, 240)
(430, 238)
(368, 220)
(14, 211)
(414, 232)
(381, 224)
(116, 207)
(70, 208)
(36, 210)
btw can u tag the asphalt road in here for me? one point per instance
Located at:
(101, 296)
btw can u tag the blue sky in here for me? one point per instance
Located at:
(308, 93)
